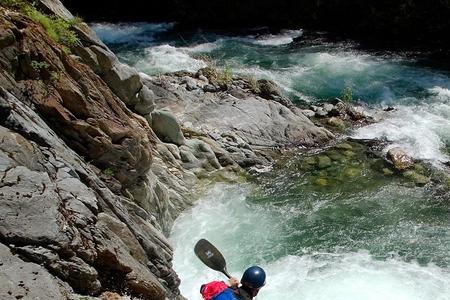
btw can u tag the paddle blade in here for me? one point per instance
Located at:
(210, 256)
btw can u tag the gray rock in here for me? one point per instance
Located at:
(309, 113)
(190, 82)
(328, 107)
(166, 126)
(88, 57)
(203, 78)
(268, 89)
(145, 104)
(210, 88)
(105, 58)
(321, 113)
(124, 81)
(55, 7)
(27, 280)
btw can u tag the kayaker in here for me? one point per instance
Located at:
(252, 281)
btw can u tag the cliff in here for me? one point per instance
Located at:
(97, 160)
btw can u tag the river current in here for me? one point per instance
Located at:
(362, 237)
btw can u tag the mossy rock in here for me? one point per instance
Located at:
(388, 172)
(306, 167)
(344, 146)
(419, 168)
(351, 172)
(334, 155)
(349, 153)
(310, 160)
(417, 178)
(321, 182)
(323, 173)
(323, 162)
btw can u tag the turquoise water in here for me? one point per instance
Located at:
(356, 234)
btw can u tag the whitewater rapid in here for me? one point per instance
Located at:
(373, 238)
(248, 233)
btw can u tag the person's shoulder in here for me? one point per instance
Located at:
(243, 295)
(227, 294)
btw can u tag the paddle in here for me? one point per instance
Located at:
(211, 257)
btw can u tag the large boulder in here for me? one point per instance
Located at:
(124, 81)
(166, 127)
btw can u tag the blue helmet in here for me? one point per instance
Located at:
(254, 277)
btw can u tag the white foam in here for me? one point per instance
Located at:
(283, 38)
(166, 58)
(422, 131)
(128, 32)
(203, 48)
(241, 231)
(353, 276)
(441, 94)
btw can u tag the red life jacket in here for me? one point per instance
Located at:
(209, 290)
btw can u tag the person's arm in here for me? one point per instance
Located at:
(233, 282)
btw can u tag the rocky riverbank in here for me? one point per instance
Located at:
(97, 160)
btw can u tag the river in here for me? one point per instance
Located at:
(360, 237)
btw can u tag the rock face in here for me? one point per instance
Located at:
(97, 161)
(64, 230)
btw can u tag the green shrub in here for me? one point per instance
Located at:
(225, 77)
(39, 66)
(54, 77)
(109, 172)
(57, 28)
(347, 94)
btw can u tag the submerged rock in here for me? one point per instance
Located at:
(417, 178)
(323, 162)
